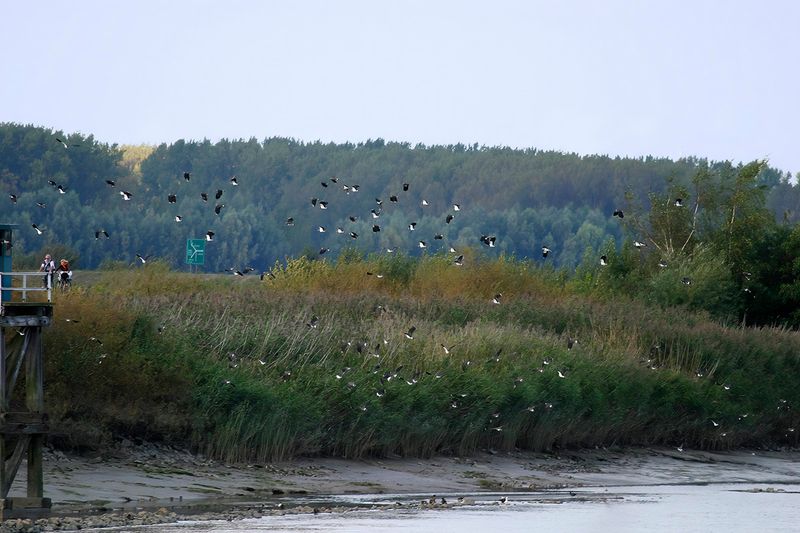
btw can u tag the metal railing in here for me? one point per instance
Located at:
(38, 285)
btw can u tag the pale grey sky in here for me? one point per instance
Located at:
(716, 79)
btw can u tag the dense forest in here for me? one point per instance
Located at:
(710, 235)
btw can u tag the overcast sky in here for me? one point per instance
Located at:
(716, 79)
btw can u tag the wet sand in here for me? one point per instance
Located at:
(149, 478)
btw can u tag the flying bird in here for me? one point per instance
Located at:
(376, 228)
(234, 181)
(313, 323)
(102, 232)
(459, 261)
(178, 218)
(61, 189)
(219, 194)
(618, 213)
(143, 259)
(62, 143)
(218, 208)
(546, 251)
(13, 198)
(412, 226)
(39, 231)
(172, 198)
(603, 260)
(125, 195)
(639, 244)
(111, 183)
(410, 333)
(41, 204)
(678, 202)
(204, 196)
(405, 187)
(422, 244)
(187, 176)
(290, 221)
(210, 236)
(496, 299)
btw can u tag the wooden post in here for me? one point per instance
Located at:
(34, 401)
(3, 406)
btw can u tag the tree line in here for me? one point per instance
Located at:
(741, 218)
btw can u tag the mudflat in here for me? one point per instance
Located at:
(152, 476)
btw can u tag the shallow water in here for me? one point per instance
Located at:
(665, 508)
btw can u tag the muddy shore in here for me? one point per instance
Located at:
(150, 484)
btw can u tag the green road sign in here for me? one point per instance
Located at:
(195, 251)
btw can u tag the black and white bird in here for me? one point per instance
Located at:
(313, 323)
(41, 204)
(424, 203)
(321, 229)
(603, 260)
(13, 198)
(178, 218)
(204, 196)
(422, 244)
(686, 280)
(412, 226)
(234, 181)
(410, 333)
(39, 230)
(375, 228)
(448, 219)
(438, 237)
(290, 221)
(496, 299)
(218, 208)
(187, 176)
(100, 233)
(546, 251)
(618, 213)
(662, 264)
(393, 198)
(678, 202)
(322, 205)
(142, 258)
(210, 236)
(456, 207)
(459, 261)
(405, 187)
(489, 240)
(639, 244)
(126, 195)
(219, 194)
(111, 183)
(172, 198)
(61, 189)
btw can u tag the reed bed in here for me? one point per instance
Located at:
(315, 360)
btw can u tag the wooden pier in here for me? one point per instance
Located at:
(23, 421)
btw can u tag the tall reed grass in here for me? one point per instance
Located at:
(232, 366)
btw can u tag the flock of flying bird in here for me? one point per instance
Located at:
(375, 213)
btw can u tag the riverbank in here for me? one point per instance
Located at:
(150, 484)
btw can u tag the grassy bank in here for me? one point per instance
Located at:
(232, 367)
